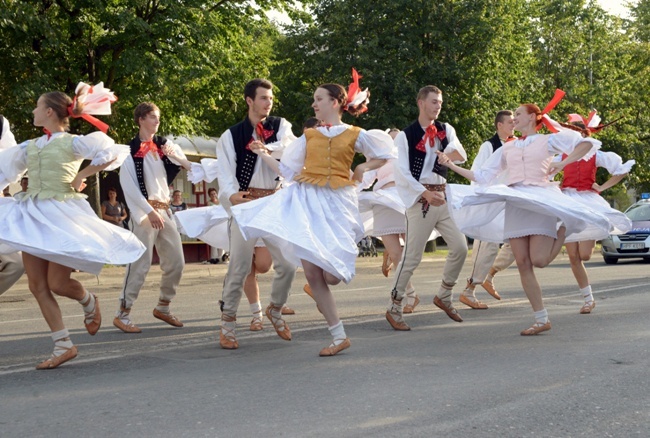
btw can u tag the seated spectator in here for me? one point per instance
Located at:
(177, 203)
(114, 211)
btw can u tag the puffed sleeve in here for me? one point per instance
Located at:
(285, 138)
(207, 170)
(565, 141)
(454, 143)
(293, 159)
(178, 151)
(7, 139)
(613, 163)
(13, 163)
(375, 143)
(100, 149)
(490, 171)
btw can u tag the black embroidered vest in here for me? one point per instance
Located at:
(242, 133)
(171, 169)
(414, 134)
(496, 142)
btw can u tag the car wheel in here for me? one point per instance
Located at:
(610, 260)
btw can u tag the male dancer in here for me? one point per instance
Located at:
(243, 178)
(487, 259)
(421, 183)
(145, 177)
(11, 265)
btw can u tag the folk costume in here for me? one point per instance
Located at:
(418, 170)
(145, 179)
(240, 169)
(318, 218)
(487, 257)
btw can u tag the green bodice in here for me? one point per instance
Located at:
(52, 169)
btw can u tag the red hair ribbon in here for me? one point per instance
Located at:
(87, 117)
(353, 88)
(546, 121)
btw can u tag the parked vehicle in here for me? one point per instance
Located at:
(636, 242)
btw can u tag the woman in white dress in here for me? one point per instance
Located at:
(530, 211)
(316, 221)
(579, 183)
(52, 223)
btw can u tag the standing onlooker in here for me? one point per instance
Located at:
(145, 178)
(177, 203)
(114, 211)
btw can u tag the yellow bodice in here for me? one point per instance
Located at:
(52, 168)
(328, 159)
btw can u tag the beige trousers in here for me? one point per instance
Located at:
(170, 252)
(241, 257)
(418, 230)
(11, 269)
(486, 255)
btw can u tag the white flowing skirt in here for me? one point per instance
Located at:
(383, 213)
(480, 211)
(208, 224)
(308, 222)
(65, 232)
(619, 222)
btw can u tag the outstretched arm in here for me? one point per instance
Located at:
(446, 161)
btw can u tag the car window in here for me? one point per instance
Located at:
(639, 212)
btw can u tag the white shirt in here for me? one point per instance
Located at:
(408, 188)
(155, 181)
(7, 139)
(263, 176)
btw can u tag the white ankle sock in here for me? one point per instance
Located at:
(276, 312)
(62, 342)
(586, 294)
(163, 306)
(445, 295)
(541, 316)
(124, 316)
(338, 333)
(87, 302)
(256, 308)
(228, 327)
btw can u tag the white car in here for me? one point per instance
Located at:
(636, 242)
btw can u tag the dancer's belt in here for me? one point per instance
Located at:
(435, 187)
(255, 193)
(157, 205)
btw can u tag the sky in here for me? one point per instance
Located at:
(615, 7)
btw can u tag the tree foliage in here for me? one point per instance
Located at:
(191, 57)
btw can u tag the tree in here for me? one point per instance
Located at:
(192, 57)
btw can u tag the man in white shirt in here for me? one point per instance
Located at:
(145, 177)
(242, 178)
(11, 265)
(487, 259)
(421, 181)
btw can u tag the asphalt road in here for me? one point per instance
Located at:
(588, 376)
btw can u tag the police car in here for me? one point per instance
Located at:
(636, 242)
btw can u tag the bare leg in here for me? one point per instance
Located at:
(321, 291)
(544, 249)
(36, 269)
(521, 248)
(261, 265)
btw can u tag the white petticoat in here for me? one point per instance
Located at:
(479, 211)
(383, 213)
(619, 222)
(65, 232)
(308, 222)
(208, 224)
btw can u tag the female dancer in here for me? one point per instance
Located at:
(52, 223)
(530, 212)
(316, 221)
(579, 183)
(388, 219)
